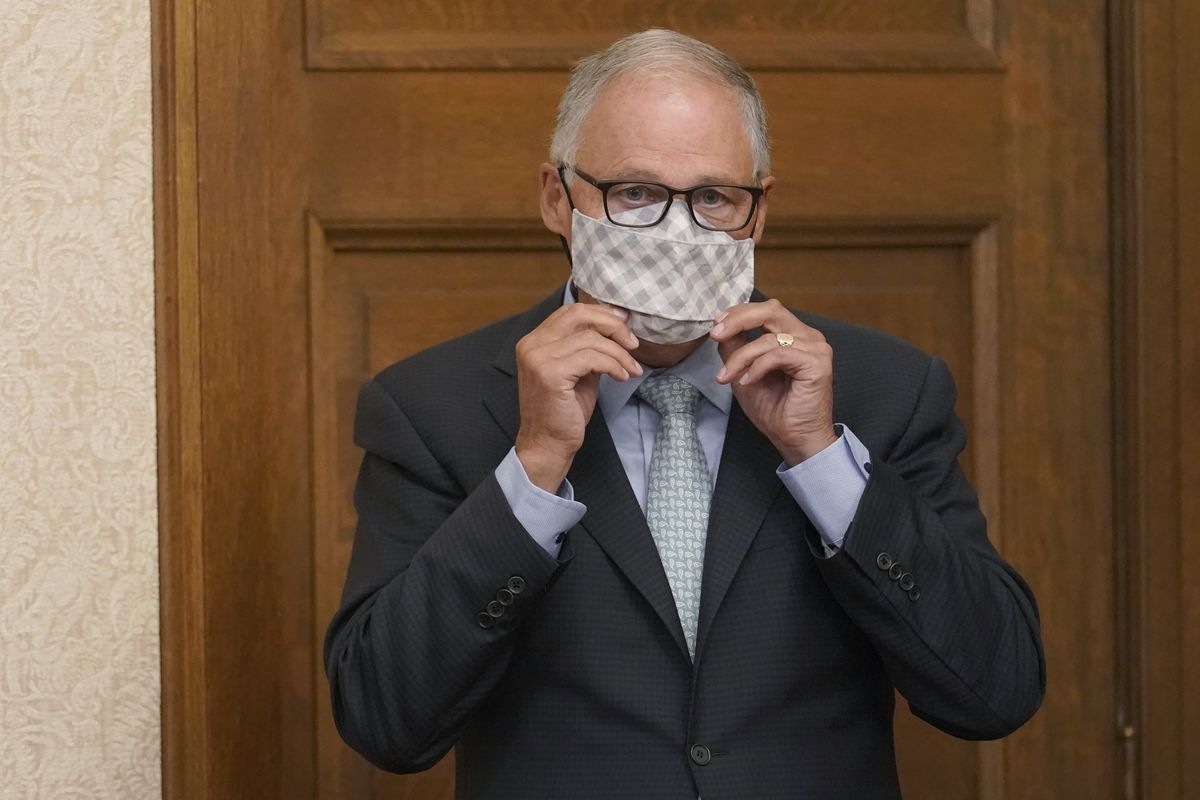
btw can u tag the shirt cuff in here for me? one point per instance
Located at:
(543, 515)
(828, 486)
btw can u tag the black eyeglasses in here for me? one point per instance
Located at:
(644, 204)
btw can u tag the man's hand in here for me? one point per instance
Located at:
(787, 392)
(559, 364)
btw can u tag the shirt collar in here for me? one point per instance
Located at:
(699, 369)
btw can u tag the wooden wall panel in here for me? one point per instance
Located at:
(1155, 130)
(380, 291)
(858, 146)
(1056, 402)
(941, 176)
(761, 34)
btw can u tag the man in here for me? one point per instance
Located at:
(657, 538)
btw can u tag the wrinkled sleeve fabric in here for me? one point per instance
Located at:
(413, 650)
(828, 486)
(543, 515)
(956, 627)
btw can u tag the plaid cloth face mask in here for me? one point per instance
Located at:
(673, 278)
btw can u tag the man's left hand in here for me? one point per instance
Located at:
(786, 391)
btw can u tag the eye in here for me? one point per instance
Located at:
(709, 197)
(634, 195)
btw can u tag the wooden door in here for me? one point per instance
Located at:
(364, 185)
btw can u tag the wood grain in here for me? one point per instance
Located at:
(384, 289)
(316, 224)
(885, 35)
(1155, 126)
(1056, 409)
(183, 635)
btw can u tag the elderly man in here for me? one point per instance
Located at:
(658, 537)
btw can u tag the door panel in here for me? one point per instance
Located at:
(368, 188)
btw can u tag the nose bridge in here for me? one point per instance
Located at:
(684, 203)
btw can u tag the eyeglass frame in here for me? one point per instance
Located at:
(756, 193)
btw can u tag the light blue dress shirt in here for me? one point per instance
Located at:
(827, 486)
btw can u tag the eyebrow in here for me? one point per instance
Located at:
(655, 177)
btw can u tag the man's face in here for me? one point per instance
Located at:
(672, 130)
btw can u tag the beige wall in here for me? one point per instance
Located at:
(79, 674)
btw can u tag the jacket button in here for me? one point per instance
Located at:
(907, 582)
(883, 561)
(896, 571)
(504, 597)
(700, 754)
(867, 467)
(914, 593)
(494, 609)
(516, 584)
(484, 620)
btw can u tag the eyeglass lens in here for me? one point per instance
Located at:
(716, 207)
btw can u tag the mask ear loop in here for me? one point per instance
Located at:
(566, 251)
(563, 239)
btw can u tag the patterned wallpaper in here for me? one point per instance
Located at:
(79, 675)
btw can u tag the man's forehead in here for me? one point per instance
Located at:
(657, 174)
(678, 130)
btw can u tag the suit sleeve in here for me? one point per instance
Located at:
(957, 627)
(438, 584)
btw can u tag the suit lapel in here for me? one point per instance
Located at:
(746, 488)
(614, 519)
(617, 524)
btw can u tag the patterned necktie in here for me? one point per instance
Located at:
(678, 494)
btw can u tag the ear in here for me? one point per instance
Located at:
(760, 217)
(556, 208)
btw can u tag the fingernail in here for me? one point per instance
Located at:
(634, 339)
(720, 326)
(721, 374)
(745, 379)
(620, 312)
(723, 315)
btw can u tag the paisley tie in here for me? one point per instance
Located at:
(678, 494)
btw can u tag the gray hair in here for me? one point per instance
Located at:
(657, 51)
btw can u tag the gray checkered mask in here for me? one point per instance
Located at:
(673, 278)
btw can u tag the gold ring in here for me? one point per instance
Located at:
(785, 339)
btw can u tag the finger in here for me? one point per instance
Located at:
(738, 360)
(592, 340)
(770, 315)
(607, 320)
(592, 362)
(730, 346)
(811, 360)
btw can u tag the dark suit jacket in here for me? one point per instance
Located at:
(582, 687)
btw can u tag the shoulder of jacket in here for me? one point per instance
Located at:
(850, 340)
(449, 370)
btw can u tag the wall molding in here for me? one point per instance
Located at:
(182, 605)
(978, 237)
(373, 234)
(1155, 190)
(971, 50)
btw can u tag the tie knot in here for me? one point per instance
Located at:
(669, 394)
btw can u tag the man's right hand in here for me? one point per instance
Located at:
(559, 364)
